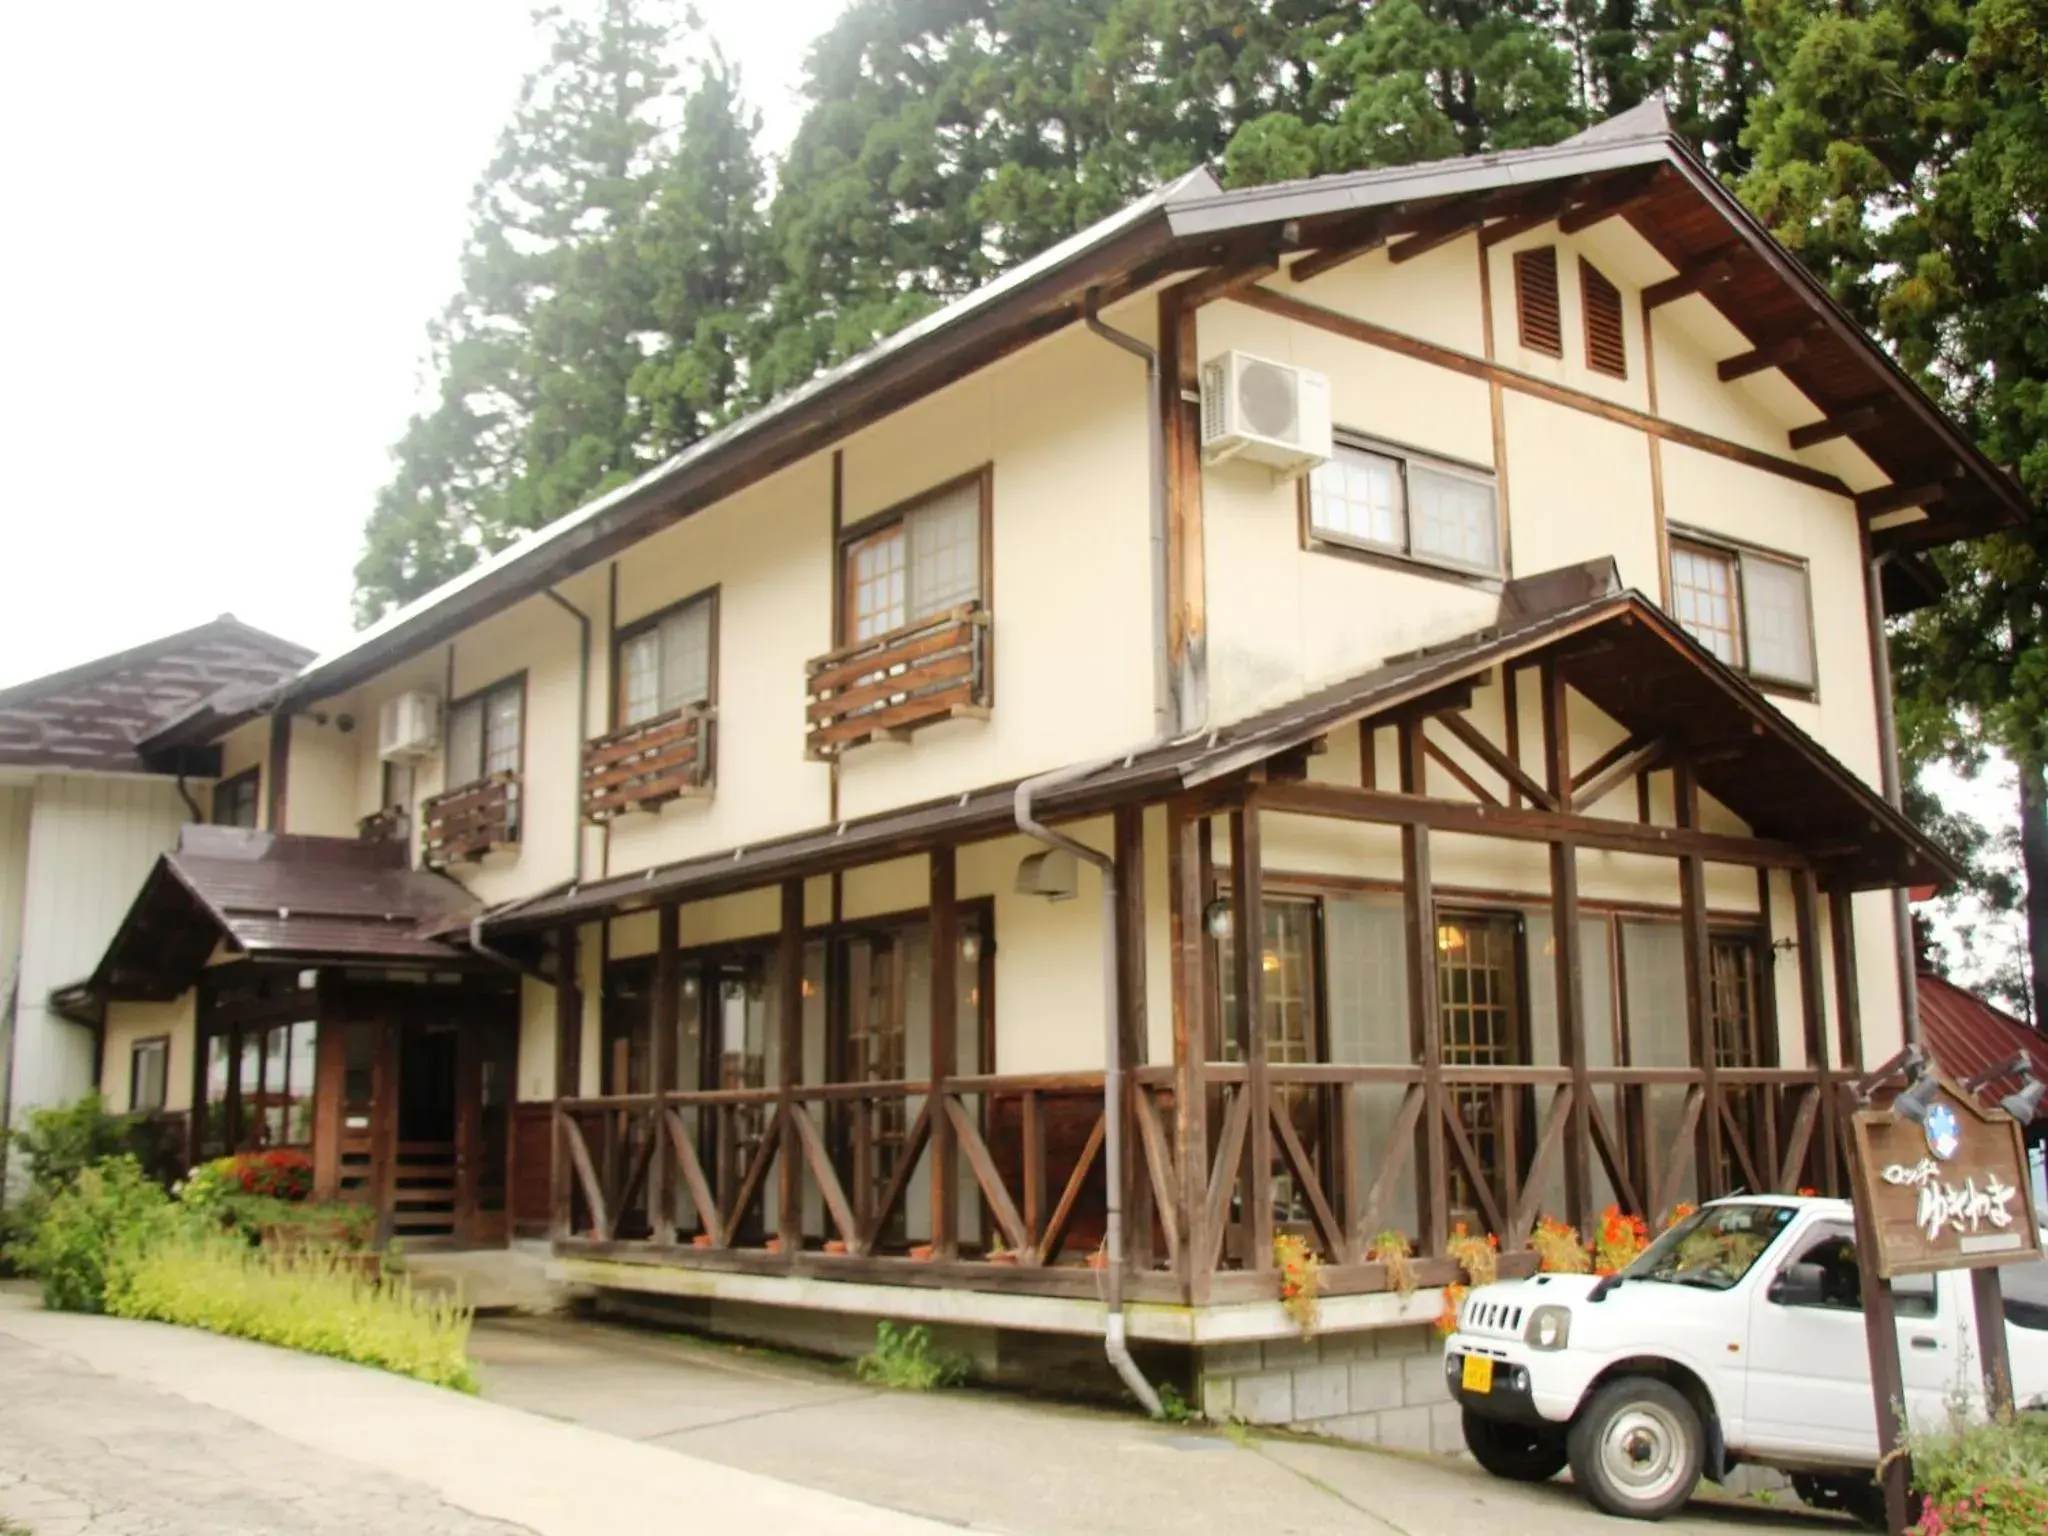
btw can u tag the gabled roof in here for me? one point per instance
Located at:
(1615, 647)
(1630, 166)
(1969, 1036)
(274, 897)
(99, 716)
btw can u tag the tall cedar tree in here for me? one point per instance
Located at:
(587, 340)
(1903, 152)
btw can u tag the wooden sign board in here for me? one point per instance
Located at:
(1950, 1192)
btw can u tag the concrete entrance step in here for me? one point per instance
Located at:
(513, 1279)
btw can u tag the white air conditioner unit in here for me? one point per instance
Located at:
(1269, 413)
(409, 727)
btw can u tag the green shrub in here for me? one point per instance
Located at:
(62, 1143)
(311, 1301)
(94, 1227)
(215, 1194)
(1984, 1479)
(904, 1358)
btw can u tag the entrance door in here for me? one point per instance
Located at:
(486, 1060)
(423, 1174)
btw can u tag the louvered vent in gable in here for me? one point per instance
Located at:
(1536, 300)
(1606, 350)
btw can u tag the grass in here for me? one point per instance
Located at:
(903, 1358)
(311, 1301)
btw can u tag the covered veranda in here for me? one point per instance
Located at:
(1662, 865)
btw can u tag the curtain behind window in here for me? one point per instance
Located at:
(945, 552)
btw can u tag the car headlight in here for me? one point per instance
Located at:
(1549, 1328)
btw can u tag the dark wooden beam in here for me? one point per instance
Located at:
(1710, 271)
(1496, 759)
(1614, 196)
(1440, 227)
(568, 1013)
(1129, 824)
(1425, 1017)
(1813, 1019)
(1855, 418)
(665, 1027)
(789, 967)
(1187, 897)
(1248, 943)
(1221, 282)
(1528, 824)
(1774, 353)
(1343, 242)
(1897, 498)
(1699, 984)
(945, 1022)
(1568, 962)
(1643, 758)
(1532, 212)
(1848, 989)
(1456, 770)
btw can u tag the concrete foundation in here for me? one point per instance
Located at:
(1382, 1386)
(511, 1279)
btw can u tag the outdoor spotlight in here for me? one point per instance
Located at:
(2015, 1066)
(1216, 918)
(2024, 1102)
(1919, 1095)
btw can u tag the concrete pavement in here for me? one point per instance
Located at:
(993, 1462)
(112, 1427)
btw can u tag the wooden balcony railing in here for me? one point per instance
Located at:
(882, 688)
(644, 766)
(465, 824)
(685, 1178)
(393, 824)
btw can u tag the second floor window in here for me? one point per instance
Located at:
(1380, 500)
(234, 800)
(916, 562)
(664, 663)
(1752, 610)
(486, 733)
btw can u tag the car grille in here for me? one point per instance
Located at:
(1503, 1318)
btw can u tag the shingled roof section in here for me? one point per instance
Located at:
(1969, 1036)
(95, 717)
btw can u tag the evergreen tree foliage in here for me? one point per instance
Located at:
(1903, 152)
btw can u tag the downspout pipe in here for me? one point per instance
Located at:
(1164, 704)
(1894, 792)
(1114, 1345)
(582, 719)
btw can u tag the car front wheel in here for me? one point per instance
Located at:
(1637, 1448)
(1522, 1453)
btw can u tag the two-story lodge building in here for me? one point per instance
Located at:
(1488, 810)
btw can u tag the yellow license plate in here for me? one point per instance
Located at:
(1478, 1375)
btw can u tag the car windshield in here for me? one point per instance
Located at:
(1712, 1248)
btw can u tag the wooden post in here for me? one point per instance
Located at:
(1186, 584)
(568, 1068)
(664, 1026)
(1188, 895)
(1425, 1017)
(1813, 1017)
(944, 1052)
(1248, 940)
(329, 1069)
(1848, 994)
(1881, 1335)
(1131, 1024)
(1993, 1347)
(1699, 981)
(1569, 963)
(789, 973)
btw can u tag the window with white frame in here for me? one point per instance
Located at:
(486, 733)
(916, 563)
(1382, 500)
(665, 661)
(1753, 610)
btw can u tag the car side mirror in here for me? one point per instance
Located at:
(1798, 1285)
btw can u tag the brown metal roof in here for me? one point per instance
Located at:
(277, 897)
(98, 716)
(1616, 647)
(1683, 211)
(1968, 1036)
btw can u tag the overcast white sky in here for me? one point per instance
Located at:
(229, 222)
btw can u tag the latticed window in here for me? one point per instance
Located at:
(1704, 599)
(1292, 985)
(919, 564)
(665, 664)
(1479, 1003)
(485, 733)
(1368, 498)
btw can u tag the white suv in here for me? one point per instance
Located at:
(1737, 1337)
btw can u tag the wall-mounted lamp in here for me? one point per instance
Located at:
(1051, 874)
(1217, 920)
(690, 987)
(2024, 1103)
(970, 947)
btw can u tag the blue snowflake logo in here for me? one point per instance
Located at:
(1944, 1132)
